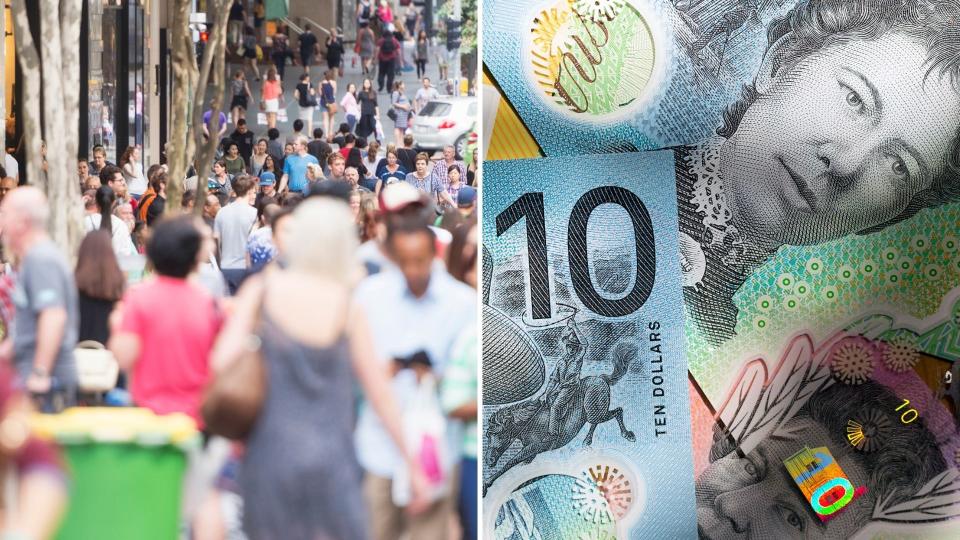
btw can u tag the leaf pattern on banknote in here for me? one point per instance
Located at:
(939, 499)
(759, 406)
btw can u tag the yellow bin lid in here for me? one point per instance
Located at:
(116, 425)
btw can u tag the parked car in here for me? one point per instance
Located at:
(445, 120)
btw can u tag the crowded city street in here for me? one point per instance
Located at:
(240, 258)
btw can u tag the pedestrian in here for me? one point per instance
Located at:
(309, 47)
(351, 109)
(402, 109)
(258, 161)
(364, 13)
(268, 191)
(354, 157)
(103, 219)
(467, 201)
(249, 50)
(208, 116)
(219, 183)
(230, 229)
(328, 100)
(280, 51)
(235, 23)
(425, 94)
(419, 178)
(83, 172)
(441, 306)
(125, 213)
(458, 391)
(473, 168)
(334, 53)
(448, 196)
(352, 176)
(274, 146)
(271, 97)
(240, 93)
(211, 207)
(319, 147)
(163, 330)
(304, 318)
(412, 20)
(385, 13)
(260, 248)
(382, 162)
(366, 46)
(342, 132)
(244, 139)
(337, 166)
(100, 285)
(439, 175)
(297, 131)
(34, 465)
(188, 201)
(422, 54)
(306, 96)
(392, 173)
(132, 171)
(259, 18)
(112, 177)
(408, 154)
(156, 209)
(371, 158)
(369, 111)
(288, 150)
(388, 50)
(233, 161)
(44, 331)
(99, 154)
(149, 195)
(295, 168)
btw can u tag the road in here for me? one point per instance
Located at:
(352, 74)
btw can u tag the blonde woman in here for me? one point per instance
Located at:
(315, 342)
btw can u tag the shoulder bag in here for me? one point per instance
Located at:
(233, 400)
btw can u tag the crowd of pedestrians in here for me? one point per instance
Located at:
(346, 260)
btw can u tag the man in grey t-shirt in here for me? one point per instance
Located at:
(46, 319)
(232, 228)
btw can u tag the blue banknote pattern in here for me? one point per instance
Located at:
(586, 421)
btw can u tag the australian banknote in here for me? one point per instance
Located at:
(586, 429)
(604, 75)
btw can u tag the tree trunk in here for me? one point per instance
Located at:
(192, 106)
(183, 62)
(214, 61)
(60, 31)
(29, 59)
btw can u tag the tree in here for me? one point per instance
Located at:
(52, 73)
(190, 83)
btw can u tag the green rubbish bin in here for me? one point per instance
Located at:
(126, 470)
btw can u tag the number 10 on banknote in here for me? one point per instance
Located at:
(586, 420)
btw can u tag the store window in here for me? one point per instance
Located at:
(117, 95)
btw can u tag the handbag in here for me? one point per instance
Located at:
(97, 369)
(332, 108)
(392, 114)
(233, 400)
(424, 427)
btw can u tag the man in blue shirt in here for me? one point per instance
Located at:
(295, 167)
(416, 312)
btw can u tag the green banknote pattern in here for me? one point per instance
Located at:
(910, 267)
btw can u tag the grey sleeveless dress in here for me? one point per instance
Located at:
(300, 478)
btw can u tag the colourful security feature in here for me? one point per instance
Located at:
(822, 481)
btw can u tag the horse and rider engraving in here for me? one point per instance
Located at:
(554, 419)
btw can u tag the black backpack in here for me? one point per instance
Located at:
(388, 45)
